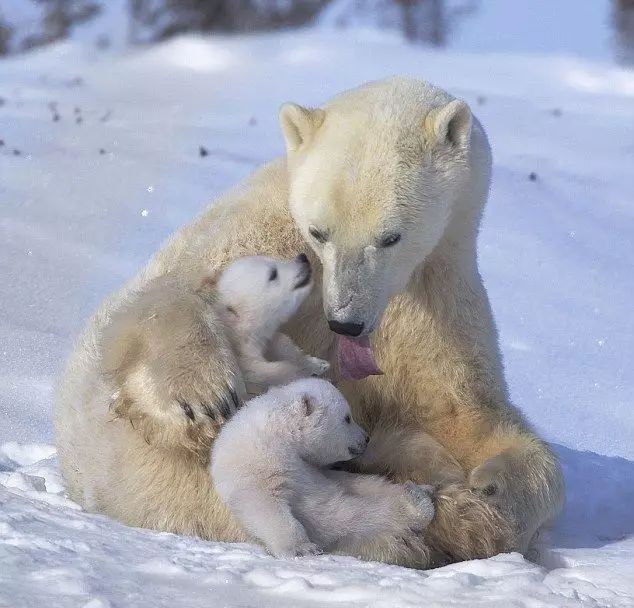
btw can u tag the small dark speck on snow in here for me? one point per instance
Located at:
(557, 112)
(102, 151)
(202, 151)
(532, 176)
(16, 152)
(481, 99)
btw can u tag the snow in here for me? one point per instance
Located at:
(55, 555)
(90, 196)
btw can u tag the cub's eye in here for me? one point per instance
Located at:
(273, 274)
(320, 237)
(390, 239)
(348, 419)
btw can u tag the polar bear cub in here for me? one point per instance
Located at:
(270, 466)
(258, 294)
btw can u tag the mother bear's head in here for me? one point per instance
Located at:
(376, 179)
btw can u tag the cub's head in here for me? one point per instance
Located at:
(261, 293)
(319, 417)
(376, 178)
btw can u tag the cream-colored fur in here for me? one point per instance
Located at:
(397, 156)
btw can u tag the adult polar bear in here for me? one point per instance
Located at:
(386, 184)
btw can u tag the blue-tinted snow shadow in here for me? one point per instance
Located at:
(599, 500)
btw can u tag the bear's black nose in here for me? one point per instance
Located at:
(302, 258)
(367, 438)
(346, 329)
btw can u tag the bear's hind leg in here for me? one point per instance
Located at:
(504, 501)
(524, 481)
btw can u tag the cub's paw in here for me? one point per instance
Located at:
(422, 497)
(307, 549)
(316, 366)
(299, 550)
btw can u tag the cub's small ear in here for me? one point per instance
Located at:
(308, 407)
(450, 124)
(299, 124)
(304, 406)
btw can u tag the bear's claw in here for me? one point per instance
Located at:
(218, 412)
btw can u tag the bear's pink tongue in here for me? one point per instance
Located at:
(355, 358)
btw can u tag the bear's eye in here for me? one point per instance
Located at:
(390, 239)
(320, 237)
(348, 419)
(273, 274)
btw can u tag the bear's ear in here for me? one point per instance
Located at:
(450, 124)
(299, 124)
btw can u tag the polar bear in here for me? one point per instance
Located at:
(384, 187)
(270, 465)
(257, 294)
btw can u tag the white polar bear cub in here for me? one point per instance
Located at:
(258, 294)
(269, 465)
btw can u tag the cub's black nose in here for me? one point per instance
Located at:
(367, 438)
(346, 329)
(302, 258)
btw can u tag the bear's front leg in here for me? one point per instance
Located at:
(169, 370)
(408, 455)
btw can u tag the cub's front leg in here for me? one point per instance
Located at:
(269, 519)
(282, 348)
(261, 374)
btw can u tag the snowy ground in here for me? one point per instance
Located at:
(87, 197)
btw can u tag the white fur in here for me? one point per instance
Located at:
(257, 295)
(269, 466)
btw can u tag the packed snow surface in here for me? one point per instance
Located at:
(101, 160)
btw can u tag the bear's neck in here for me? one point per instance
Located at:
(457, 248)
